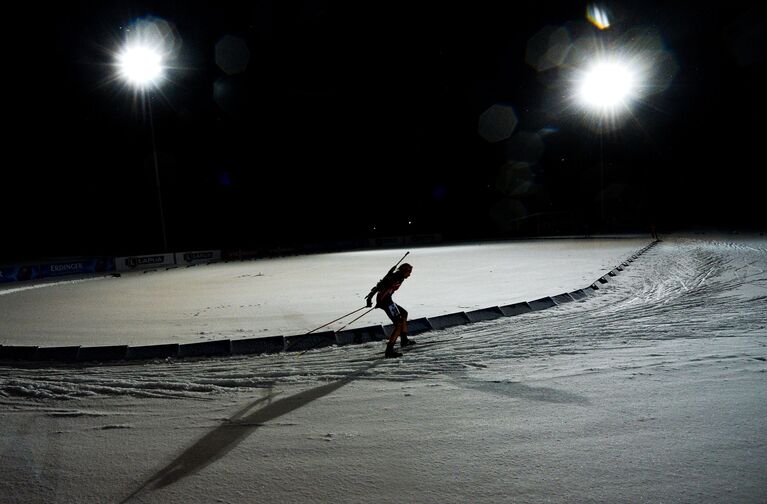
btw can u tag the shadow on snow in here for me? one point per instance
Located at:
(242, 424)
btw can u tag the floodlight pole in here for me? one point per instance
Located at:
(157, 176)
(602, 178)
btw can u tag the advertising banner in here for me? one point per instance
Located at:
(81, 267)
(18, 273)
(143, 262)
(197, 257)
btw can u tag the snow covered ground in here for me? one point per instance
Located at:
(652, 390)
(293, 295)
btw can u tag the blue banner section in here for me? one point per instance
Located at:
(18, 273)
(83, 267)
(74, 267)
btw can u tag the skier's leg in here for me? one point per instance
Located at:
(404, 340)
(396, 331)
(394, 314)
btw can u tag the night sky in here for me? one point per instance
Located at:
(352, 120)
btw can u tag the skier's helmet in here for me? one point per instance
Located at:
(405, 267)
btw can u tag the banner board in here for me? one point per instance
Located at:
(142, 262)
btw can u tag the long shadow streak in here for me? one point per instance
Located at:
(521, 391)
(226, 437)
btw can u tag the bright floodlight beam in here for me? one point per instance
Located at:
(141, 66)
(607, 86)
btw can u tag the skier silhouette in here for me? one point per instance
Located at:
(385, 288)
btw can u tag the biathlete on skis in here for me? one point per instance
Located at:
(384, 290)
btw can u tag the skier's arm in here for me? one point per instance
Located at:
(378, 287)
(369, 297)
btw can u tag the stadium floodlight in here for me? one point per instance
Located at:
(141, 66)
(607, 75)
(151, 44)
(607, 86)
(150, 49)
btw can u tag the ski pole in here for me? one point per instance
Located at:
(356, 319)
(336, 320)
(339, 318)
(325, 325)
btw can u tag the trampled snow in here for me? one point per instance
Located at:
(652, 390)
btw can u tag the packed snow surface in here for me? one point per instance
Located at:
(654, 389)
(292, 295)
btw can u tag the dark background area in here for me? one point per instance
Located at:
(359, 119)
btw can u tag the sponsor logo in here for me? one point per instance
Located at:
(134, 262)
(197, 256)
(58, 268)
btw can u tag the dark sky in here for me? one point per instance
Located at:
(358, 119)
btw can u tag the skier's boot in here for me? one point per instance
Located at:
(405, 341)
(391, 353)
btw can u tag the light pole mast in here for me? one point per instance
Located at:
(141, 65)
(157, 180)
